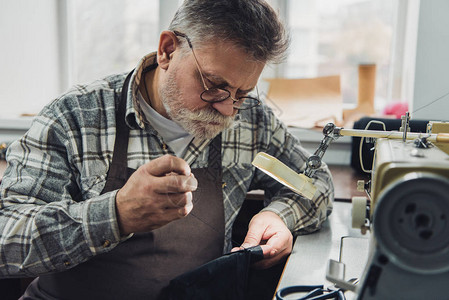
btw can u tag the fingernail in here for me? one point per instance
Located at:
(182, 211)
(245, 245)
(192, 183)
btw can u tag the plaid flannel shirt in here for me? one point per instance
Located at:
(52, 216)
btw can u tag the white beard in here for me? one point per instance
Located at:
(201, 123)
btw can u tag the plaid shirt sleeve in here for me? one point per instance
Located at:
(43, 225)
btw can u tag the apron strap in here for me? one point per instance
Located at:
(214, 160)
(116, 176)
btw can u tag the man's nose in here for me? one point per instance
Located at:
(226, 108)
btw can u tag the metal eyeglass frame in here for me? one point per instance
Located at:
(225, 92)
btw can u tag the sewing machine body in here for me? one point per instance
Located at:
(409, 219)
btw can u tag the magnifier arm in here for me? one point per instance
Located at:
(331, 133)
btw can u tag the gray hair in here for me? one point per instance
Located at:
(252, 25)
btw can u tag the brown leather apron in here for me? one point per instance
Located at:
(141, 266)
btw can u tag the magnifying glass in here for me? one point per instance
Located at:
(298, 183)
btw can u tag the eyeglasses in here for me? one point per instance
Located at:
(215, 95)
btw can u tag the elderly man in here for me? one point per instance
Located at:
(121, 185)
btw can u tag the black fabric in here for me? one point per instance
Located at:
(10, 288)
(262, 284)
(368, 148)
(223, 278)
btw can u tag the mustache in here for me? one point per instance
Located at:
(205, 114)
(209, 114)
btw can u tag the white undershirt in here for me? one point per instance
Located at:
(174, 135)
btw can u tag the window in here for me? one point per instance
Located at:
(111, 36)
(333, 37)
(50, 45)
(29, 60)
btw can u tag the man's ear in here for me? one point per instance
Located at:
(168, 42)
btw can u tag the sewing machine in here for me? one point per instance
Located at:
(406, 209)
(409, 218)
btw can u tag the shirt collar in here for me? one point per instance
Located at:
(134, 114)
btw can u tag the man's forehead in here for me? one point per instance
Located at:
(219, 80)
(227, 64)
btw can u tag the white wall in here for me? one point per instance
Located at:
(432, 62)
(167, 9)
(29, 57)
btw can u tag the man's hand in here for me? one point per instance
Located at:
(159, 192)
(268, 230)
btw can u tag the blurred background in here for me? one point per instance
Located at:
(50, 45)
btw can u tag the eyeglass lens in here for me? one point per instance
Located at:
(217, 95)
(214, 95)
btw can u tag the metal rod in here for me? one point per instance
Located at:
(440, 137)
(404, 127)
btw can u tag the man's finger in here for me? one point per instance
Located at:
(254, 236)
(267, 250)
(271, 259)
(167, 164)
(180, 200)
(174, 184)
(276, 243)
(173, 214)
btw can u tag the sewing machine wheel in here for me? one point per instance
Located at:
(411, 223)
